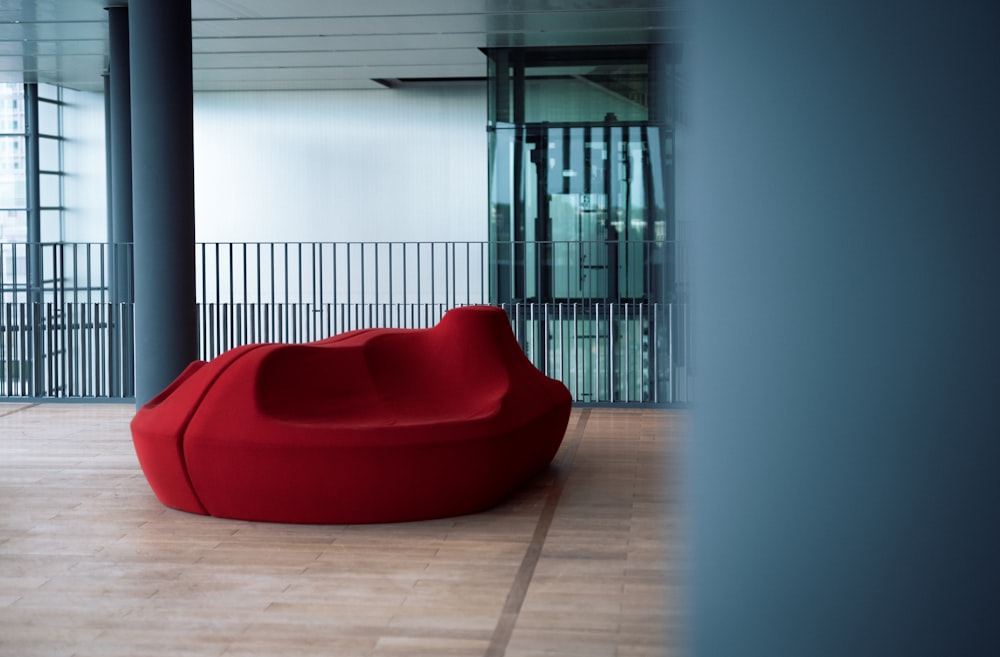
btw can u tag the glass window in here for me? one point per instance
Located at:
(48, 118)
(578, 179)
(569, 85)
(49, 150)
(51, 228)
(589, 94)
(13, 226)
(14, 166)
(11, 156)
(50, 190)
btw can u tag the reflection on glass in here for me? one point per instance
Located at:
(580, 175)
(581, 217)
(577, 212)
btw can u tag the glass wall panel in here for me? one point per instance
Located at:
(48, 117)
(51, 226)
(581, 214)
(50, 164)
(578, 174)
(580, 94)
(575, 212)
(13, 226)
(12, 172)
(50, 188)
(570, 85)
(49, 154)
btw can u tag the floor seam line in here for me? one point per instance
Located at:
(18, 410)
(519, 588)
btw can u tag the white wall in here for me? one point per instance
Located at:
(310, 166)
(85, 182)
(403, 164)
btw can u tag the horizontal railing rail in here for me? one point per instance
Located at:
(582, 311)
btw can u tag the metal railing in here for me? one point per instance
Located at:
(66, 327)
(66, 313)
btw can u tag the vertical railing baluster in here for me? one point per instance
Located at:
(576, 354)
(670, 352)
(363, 293)
(643, 356)
(406, 298)
(612, 379)
(596, 352)
(347, 326)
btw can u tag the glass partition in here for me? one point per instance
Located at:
(581, 171)
(581, 209)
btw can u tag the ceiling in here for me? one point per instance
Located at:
(325, 44)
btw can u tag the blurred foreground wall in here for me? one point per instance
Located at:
(842, 179)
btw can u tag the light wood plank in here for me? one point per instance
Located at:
(92, 564)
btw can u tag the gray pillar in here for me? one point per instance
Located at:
(33, 192)
(120, 137)
(163, 193)
(33, 198)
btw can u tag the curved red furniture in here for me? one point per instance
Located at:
(377, 425)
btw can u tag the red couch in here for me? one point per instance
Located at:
(377, 425)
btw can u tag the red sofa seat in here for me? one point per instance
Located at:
(378, 425)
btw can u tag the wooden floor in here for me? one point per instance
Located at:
(581, 562)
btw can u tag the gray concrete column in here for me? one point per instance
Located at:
(163, 192)
(33, 198)
(120, 139)
(118, 123)
(33, 194)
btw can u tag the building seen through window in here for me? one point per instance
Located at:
(13, 226)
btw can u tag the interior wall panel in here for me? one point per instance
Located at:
(393, 164)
